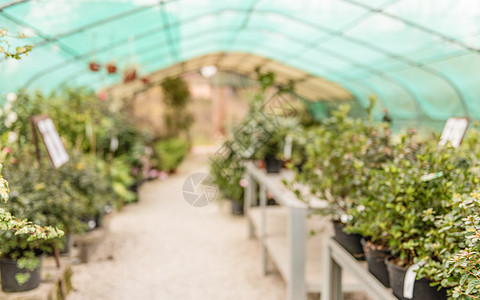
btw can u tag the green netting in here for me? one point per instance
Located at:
(419, 58)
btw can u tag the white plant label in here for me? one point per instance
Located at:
(287, 150)
(454, 131)
(113, 143)
(52, 141)
(409, 281)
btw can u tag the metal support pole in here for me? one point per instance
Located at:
(296, 239)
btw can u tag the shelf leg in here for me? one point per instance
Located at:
(296, 239)
(332, 275)
(263, 227)
(250, 198)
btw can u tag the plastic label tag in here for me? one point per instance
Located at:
(287, 150)
(431, 176)
(113, 144)
(409, 281)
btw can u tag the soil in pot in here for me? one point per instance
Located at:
(351, 242)
(273, 165)
(237, 208)
(375, 256)
(9, 270)
(421, 290)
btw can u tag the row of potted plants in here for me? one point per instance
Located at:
(108, 158)
(406, 196)
(262, 136)
(401, 197)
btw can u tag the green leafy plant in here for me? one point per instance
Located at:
(176, 96)
(338, 153)
(227, 170)
(5, 45)
(169, 153)
(20, 239)
(453, 244)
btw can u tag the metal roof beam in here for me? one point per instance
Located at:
(13, 3)
(101, 22)
(438, 34)
(65, 48)
(329, 31)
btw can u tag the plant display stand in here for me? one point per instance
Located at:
(55, 285)
(283, 231)
(88, 242)
(337, 259)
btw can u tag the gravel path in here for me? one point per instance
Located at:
(162, 248)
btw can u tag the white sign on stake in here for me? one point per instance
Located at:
(56, 151)
(454, 131)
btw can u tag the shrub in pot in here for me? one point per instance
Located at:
(405, 190)
(370, 215)
(338, 151)
(272, 151)
(227, 170)
(21, 242)
(454, 241)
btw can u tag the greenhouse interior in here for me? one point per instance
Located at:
(254, 149)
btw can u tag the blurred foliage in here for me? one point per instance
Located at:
(176, 96)
(169, 153)
(5, 45)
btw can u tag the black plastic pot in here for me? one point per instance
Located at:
(237, 208)
(67, 246)
(351, 242)
(9, 269)
(134, 188)
(90, 222)
(273, 165)
(299, 167)
(376, 261)
(421, 290)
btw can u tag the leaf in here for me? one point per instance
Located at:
(22, 278)
(471, 285)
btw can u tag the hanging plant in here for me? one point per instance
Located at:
(145, 80)
(111, 68)
(129, 75)
(94, 66)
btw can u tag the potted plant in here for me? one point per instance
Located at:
(459, 271)
(278, 131)
(452, 244)
(401, 192)
(21, 243)
(382, 164)
(338, 151)
(227, 170)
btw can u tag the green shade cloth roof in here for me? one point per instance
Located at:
(420, 58)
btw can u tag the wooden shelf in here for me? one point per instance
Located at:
(277, 248)
(337, 260)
